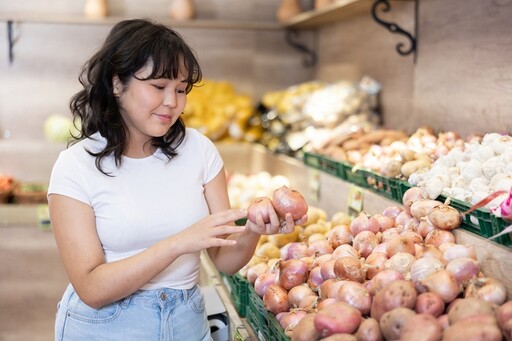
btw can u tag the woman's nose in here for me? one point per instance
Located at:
(170, 98)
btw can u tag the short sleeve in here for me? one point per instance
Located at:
(67, 178)
(212, 157)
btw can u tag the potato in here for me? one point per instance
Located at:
(504, 316)
(281, 239)
(467, 307)
(411, 167)
(430, 303)
(468, 330)
(399, 293)
(337, 317)
(340, 337)
(424, 327)
(369, 330)
(305, 330)
(391, 322)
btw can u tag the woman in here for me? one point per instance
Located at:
(137, 196)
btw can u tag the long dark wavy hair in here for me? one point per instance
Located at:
(130, 45)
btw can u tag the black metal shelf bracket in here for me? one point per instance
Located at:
(394, 28)
(11, 40)
(310, 57)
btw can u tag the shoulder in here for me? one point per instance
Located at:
(194, 136)
(81, 149)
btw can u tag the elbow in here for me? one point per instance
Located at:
(92, 300)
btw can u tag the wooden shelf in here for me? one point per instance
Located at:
(111, 20)
(341, 9)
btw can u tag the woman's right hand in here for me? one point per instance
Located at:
(212, 231)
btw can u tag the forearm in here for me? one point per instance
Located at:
(232, 258)
(109, 282)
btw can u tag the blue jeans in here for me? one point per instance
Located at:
(153, 315)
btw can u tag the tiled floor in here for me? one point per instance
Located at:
(32, 280)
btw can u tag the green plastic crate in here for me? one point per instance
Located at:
(238, 288)
(403, 186)
(478, 221)
(499, 225)
(323, 163)
(352, 175)
(263, 322)
(382, 185)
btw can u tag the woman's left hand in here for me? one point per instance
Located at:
(275, 225)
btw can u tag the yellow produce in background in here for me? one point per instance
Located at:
(218, 111)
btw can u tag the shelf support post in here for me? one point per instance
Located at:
(394, 28)
(10, 41)
(310, 54)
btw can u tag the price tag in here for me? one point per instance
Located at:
(355, 200)
(314, 185)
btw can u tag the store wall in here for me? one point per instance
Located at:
(48, 58)
(462, 79)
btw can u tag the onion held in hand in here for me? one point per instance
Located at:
(259, 206)
(286, 200)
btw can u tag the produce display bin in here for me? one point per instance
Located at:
(403, 186)
(352, 175)
(478, 221)
(238, 289)
(263, 322)
(382, 185)
(324, 164)
(499, 225)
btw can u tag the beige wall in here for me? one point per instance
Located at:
(462, 79)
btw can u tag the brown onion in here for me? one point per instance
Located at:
(443, 283)
(410, 196)
(259, 207)
(400, 244)
(374, 263)
(401, 262)
(327, 269)
(381, 279)
(297, 294)
(357, 296)
(292, 272)
(438, 237)
(295, 250)
(459, 250)
(384, 221)
(349, 268)
(263, 281)
(286, 200)
(320, 247)
(289, 319)
(422, 268)
(365, 242)
(256, 270)
(445, 217)
(390, 234)
(275, 299)
(345, 250)
(488, 289)
(315, 278)
(424, 227)
(339, 235)
(364, 222)
(392, 211)
(464, 269)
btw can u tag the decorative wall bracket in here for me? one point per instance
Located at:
(310, 57)
(413, 40)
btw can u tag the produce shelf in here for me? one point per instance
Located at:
(324, 164)
(478, 221)
(382, 185)
(238, 289)
(353, 175)
(263, 322)
(499, 225)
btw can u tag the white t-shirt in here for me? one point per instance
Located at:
(144, 201)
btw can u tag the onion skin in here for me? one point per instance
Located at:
(357, 296)
(259, 206)
(298, 293)
(338, 317)
(292, 272)
(286, 200)
(275, 299)
(445, 217)
(443, 283)
(488, 289)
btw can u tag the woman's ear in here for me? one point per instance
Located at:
(117, 86)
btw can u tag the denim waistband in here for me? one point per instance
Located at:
(159, 297)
